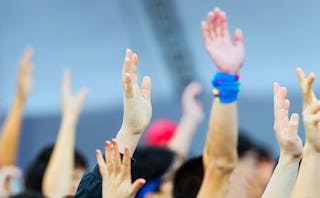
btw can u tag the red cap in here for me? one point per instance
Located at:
(160, 132)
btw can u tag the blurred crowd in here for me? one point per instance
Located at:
(231, 165)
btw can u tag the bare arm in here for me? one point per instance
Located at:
(308, 180)
(9, 139)
(190, 120)
(220, 152)
(57, 180)
(136, 103)
(284, 176)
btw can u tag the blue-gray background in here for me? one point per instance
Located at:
(90, 37)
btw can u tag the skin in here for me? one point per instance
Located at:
(58, 179)
(286, 131)
(116, 173)
(308, 178)
(220, 153)
(10, 133)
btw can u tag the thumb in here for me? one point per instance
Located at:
(135, 187)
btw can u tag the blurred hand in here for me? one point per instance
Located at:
(71, 103)
(25, 74)
(116, 175)
(190, 105)
(306, 84)
(137, 102)
(311, 118)
(286, 130)
(7, 173)
(227, 56)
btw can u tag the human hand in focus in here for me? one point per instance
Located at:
(286, 130)
(116, 173)
(191, 106)
(71, 103)
(25, 74)
(227, 56)
(136, 101)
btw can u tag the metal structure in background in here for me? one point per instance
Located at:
(173, 44)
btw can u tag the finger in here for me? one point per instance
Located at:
(211, 25)
(135, 187)
(108, 156)
(146, 88)
(205, 33)
(81, 96)
(126, 66)
(276, 98)
(300, 75)
(116, 156)
(66, 82)
(26, 57)
(294, 125)
(276, 88)
(309, 83)
(238, 38)
(224, 26)
(218, 24)
(127, 85)
(314, 117)
(134, 62)
(191, 91)
(126, 162)
(314, 107)
(101, 163)
(286, 108)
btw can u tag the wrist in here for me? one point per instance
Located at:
(286, 158)
(69, 118)
(310, 149)
(127, 139)
(226, 87)
(191, 118)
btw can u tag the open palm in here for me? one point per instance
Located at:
(227, 56)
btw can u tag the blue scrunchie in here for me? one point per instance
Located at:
(226, 87)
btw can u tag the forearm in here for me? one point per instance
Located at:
(57, 180)
(215, 183)
(127, 139)
(283, 178)
(308, 180)
(9, 140)
(180, 143)
(221, 144)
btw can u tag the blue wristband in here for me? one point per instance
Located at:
(226, 87)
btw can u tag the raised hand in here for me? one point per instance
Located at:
(311, 118)
(116, 173)
(190, 105)
(137, 101)
(227, 56)
(71, 103)
(286, 130)
(306, 84)
(25, 74)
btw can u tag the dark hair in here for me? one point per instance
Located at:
(37, 168)
(151, 162)
(188, 179)
(28, 194)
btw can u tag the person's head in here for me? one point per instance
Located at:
(160, 132)
(28, 194)
(37, 168)
(188, 179)
(151, 164)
